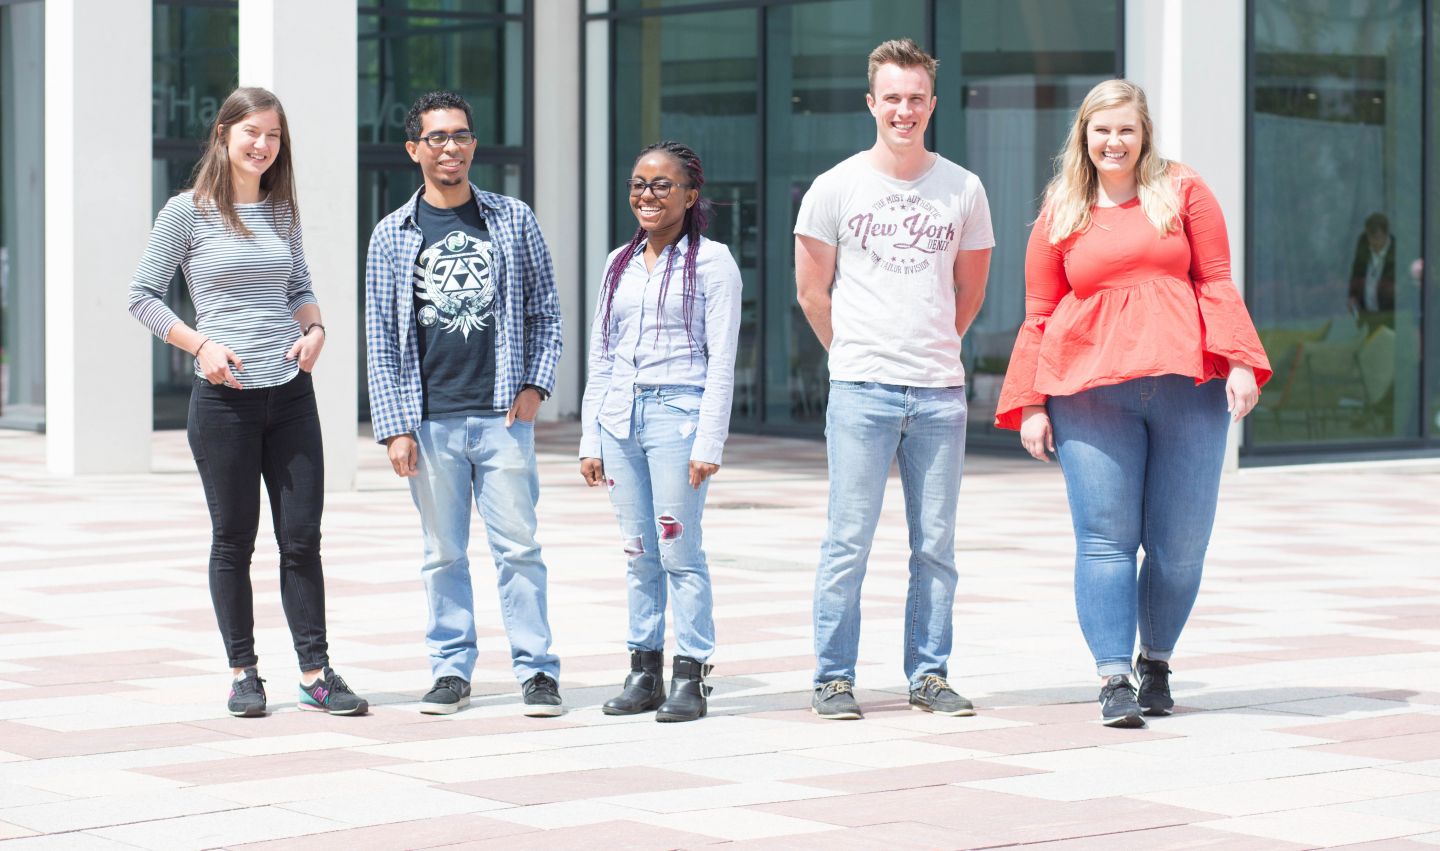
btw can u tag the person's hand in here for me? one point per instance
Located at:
(593, 471)
(525, 407)
(215, 361)
(1241, 391)
(404, 454)
(700, 471)
(307, 348)
(1035, 433)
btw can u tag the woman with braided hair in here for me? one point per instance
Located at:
(655, 416)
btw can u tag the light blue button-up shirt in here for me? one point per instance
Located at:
(638, 357)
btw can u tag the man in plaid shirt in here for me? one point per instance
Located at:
(462, 331)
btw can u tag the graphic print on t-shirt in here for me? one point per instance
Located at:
(901, 232)
(456, 280)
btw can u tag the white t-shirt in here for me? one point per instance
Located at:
(893, 303)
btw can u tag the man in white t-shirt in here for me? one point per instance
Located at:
(892, 249)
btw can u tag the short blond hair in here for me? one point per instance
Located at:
(903, 52)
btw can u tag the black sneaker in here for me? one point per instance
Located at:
(330, 694)
(1117, 703)
(835, 700)
(448, 695)
(935, 695)
(247, 696)
(1154, 677)
(542, 696)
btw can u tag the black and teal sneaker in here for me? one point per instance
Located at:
(329, 693)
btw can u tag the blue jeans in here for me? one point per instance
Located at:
(867, 425)
(648, 474)
(478, 457)
(1142, 463)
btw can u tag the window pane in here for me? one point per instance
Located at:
(1431, 275)
(22, 213)
(692, 78)
(196, 63)
(1336, 217)
(403, 56)
(815, 117)
(1012, 73)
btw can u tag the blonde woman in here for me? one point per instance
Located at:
(1135, 355)
(236, 237)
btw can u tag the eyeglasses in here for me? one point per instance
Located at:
(464, 139)
(659, 188)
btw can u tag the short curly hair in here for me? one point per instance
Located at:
(430, 102)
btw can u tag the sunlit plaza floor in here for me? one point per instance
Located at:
(1308, 681)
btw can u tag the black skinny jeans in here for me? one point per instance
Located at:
(239, 437)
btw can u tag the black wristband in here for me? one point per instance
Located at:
(313, 325)
(538, 389)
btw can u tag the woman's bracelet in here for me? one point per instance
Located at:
(201, 346)
(314, 325)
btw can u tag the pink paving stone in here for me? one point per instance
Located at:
(1371, 728)
(1298, 578)
(1044, 738)
(1396, 844)
(629, 835)
(1380, 591)
(579, 785)
(295, 723)
(112, 659)
(1368, 647)
(1431, 698)
(1222, 610)
(92, 587)
(1413, 748)
(38, 743)
(401, 836)
(100, 675)
(268, 767)
(914, 776)
(1055, 713)
(774, 664)
(1409, 610)
(67, 690)
(1206, 663)
(388, 639)
(1183, 838)
(426, 728)
(24, 625)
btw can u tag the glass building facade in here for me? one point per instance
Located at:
(1341, 186)
(1344, 138)
(772, 94)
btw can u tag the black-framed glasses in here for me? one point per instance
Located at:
(463, 138)
(660, 187)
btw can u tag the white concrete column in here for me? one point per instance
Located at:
(97, 218)
(1190, 59)
(306, 54)
(599, 194)
(556, 66)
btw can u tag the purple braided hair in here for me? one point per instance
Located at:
(697, 218)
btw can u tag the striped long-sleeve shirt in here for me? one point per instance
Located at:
(245, 290)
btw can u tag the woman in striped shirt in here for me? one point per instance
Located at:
(236, 237)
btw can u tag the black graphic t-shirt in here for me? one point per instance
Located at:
(455, 311)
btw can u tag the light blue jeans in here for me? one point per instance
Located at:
(1142, 463)
(648, 474)
(867, 425)
(478, 457)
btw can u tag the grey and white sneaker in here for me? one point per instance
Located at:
(935, 695)
(1117, 703)
(447, 696)
(835, 700)
(542, 697)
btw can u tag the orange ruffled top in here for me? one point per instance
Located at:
(1119, 301)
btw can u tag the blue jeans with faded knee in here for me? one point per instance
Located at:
(648, 475)
(1142, 462)
(867, 426)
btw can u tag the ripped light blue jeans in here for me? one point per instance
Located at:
(648, 475)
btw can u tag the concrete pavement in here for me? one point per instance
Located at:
(1308, 680)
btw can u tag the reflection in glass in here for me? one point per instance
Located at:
(1336, 218)
(692, 78)
(815, 117)
(1011, 76)
(22, 214)
(195, 68)
(1429, 274)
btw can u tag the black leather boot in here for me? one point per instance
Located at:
(687, 691)
(644, 688)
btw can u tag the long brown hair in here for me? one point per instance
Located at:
(212, 182)
(1073, 189)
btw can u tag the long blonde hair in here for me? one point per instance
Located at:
(211, 181)
(1073, 190)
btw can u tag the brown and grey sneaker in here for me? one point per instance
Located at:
(835, 700)
(935, 695)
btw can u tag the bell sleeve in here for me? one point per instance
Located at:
(1045, 285)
